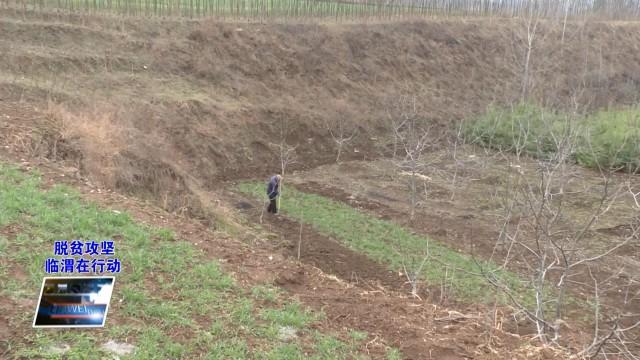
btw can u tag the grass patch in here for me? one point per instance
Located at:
(329, 347)
(290, 315)
(611, 139)
(393, 354)
(286, 352)
(606, 139)
(389, 243)
(269, 294)
(170, 301)
(228, 349)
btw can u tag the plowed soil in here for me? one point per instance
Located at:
(350, 289)
(368, 302)
(468, 224)
(332, 257)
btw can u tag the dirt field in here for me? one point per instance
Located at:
(166, 116)
(368, 299)
(352, 290)
(464, 212)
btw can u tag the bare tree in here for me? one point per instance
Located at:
(552, 245)
(412, 136)
(533, 19)
(620, 336)
(412, 266)
(412, 140)
(397, 117)
(567, 6)
(300, 233)
(453, 144)
(286, 152)
(286, 155)
(341, 129)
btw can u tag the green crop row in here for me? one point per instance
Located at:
(391, 244)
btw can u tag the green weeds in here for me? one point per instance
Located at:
(170, 301)
(606, 139)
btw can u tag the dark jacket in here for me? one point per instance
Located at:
(272, 188)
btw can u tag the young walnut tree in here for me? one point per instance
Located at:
(412, 140)
(286, 156)
(341, 128)
(541, 233)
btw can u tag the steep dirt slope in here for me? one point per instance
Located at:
(163, 108)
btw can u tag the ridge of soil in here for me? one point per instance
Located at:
(456, 230)
(419, 329)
